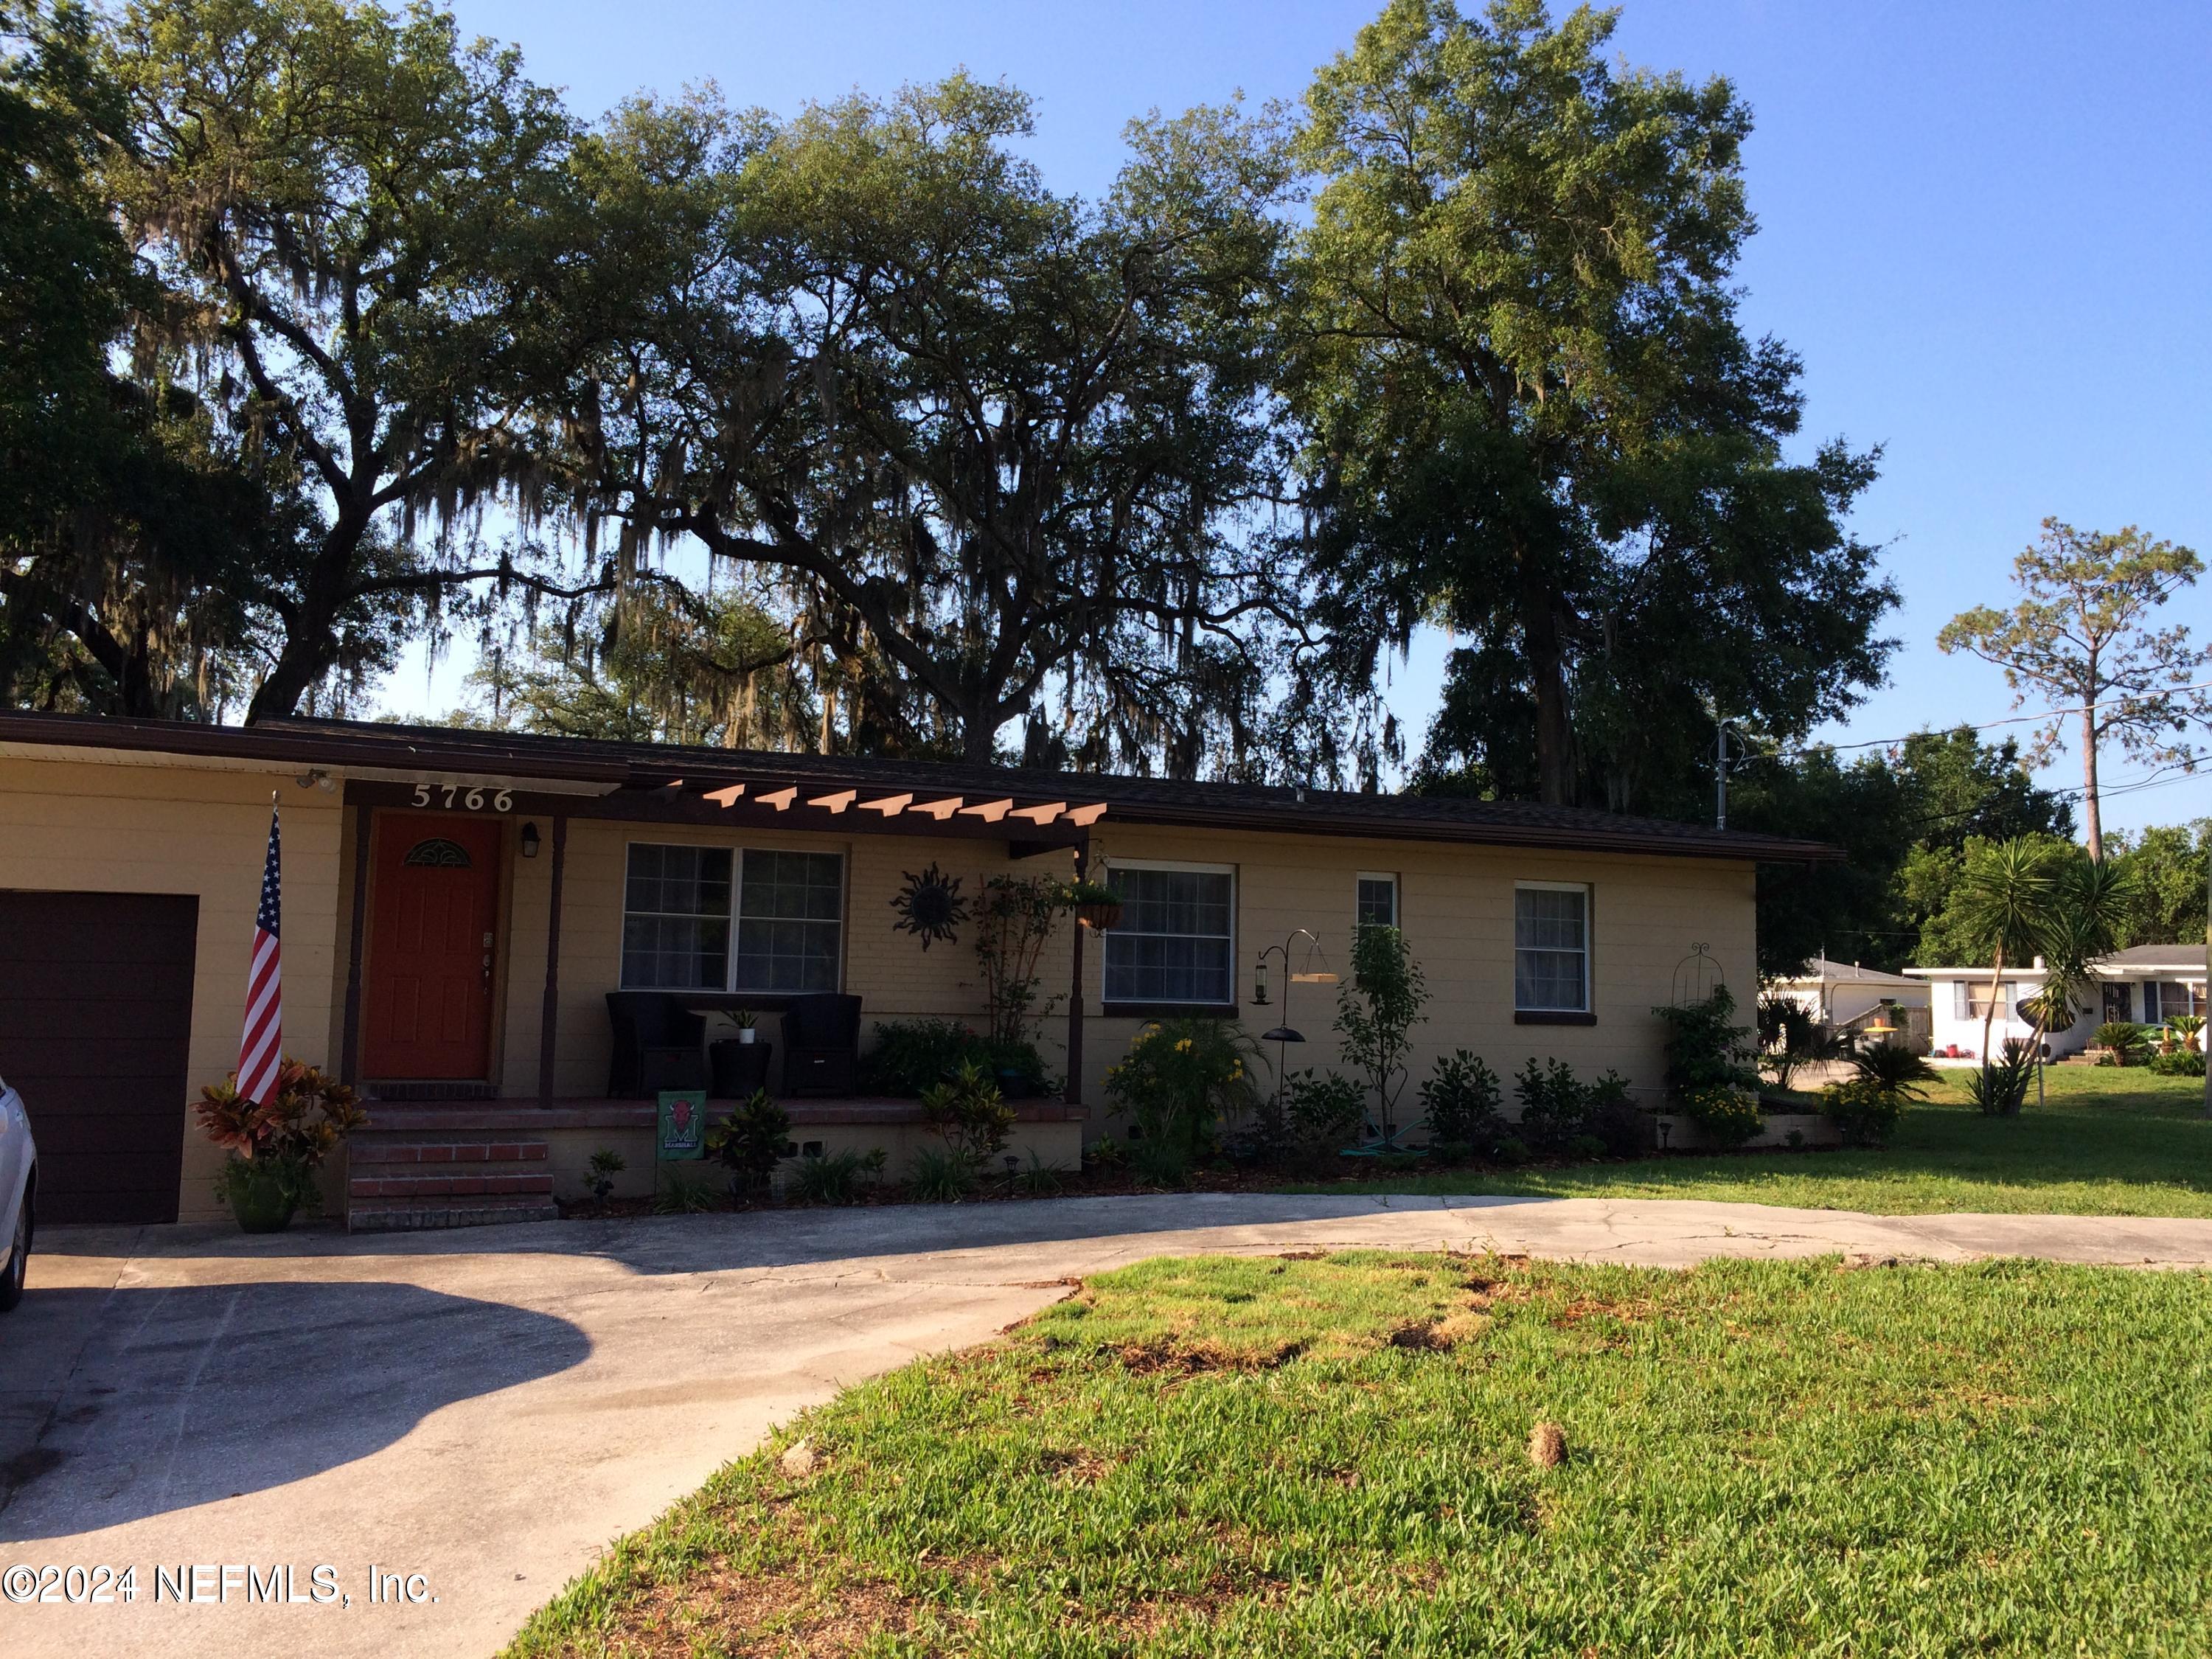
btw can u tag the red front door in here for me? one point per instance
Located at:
(427, 992)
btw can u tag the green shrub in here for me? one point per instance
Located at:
(1460, 1099)
(1553, 1106)
(1999, 1089)
(911, 1056)
(1894, 1067)
(1322, 1113)
(939, 1174)
(599, 1178)
(1611, 1117)
(1709, 1076)
(968, 1111)
(2182, 1062)
(2129, 1042)
(676, 1192)
(836, 1177)
(1706, 1049)
(1039, 1179)
(1512, 1150)
(1863, 1109)
(1725, 1115)
(1179, 1079)
(750, 1142)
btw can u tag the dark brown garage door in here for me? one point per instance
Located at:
(96, 1022)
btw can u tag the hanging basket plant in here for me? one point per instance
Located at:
(1097, 906)
(930, 906)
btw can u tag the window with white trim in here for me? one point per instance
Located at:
(1551, 948)
(1176, 942)
(1970, 999)
(1378, 900)
(684, 908)
(2164, 999)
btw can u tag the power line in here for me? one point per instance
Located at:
(1984, 726)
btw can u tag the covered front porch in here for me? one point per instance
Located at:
(488, 916)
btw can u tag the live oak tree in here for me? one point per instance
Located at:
(659, 664)
(347, 204)
(996, 445)
(2084, 635)
(123, 522)
(1535, 419)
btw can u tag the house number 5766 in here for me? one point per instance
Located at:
(473, 800)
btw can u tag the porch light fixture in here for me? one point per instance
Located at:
(529, 840)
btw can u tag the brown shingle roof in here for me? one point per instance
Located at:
(1286, 809)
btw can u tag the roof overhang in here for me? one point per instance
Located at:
(383, 764)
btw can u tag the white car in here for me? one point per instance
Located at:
(19, 1182)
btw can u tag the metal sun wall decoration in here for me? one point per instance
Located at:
(930, 906)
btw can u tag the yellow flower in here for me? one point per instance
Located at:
(1183, 1046)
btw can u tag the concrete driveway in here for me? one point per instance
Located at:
(486, 1408)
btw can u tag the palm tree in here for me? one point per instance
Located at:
(2006, 900)
(2087, 919)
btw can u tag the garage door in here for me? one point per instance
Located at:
(95, 1021)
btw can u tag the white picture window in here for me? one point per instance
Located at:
(1176, 942)
(1551, 949)
(683, 912)
(1378, 900)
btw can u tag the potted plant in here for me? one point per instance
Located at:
(276, 1146)
(743, 1020)
(1097, 906)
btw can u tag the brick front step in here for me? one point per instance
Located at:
(380, 1217)
(465, 1184)
(404, 1175)
(371, 1148)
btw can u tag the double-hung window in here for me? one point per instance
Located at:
(791, 922)
(1377, 905)
(1176, 942)
(676, 919)
(707, 918)
(1551, 949)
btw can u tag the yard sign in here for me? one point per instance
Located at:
(683, 1124)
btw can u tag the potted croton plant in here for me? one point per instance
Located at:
(1097, 906)
(276, 1147)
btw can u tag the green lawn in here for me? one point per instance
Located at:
(2109, 1141)
(1330, 1457)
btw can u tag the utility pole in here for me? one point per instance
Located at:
(1720, 774)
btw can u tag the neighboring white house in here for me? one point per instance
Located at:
(2146, 983)
(1846, 995)
(2151, 983)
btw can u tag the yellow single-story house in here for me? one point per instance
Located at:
(457, 904)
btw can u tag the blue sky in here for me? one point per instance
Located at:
(1986, 227)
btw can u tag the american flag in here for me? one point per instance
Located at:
(262, 1050)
